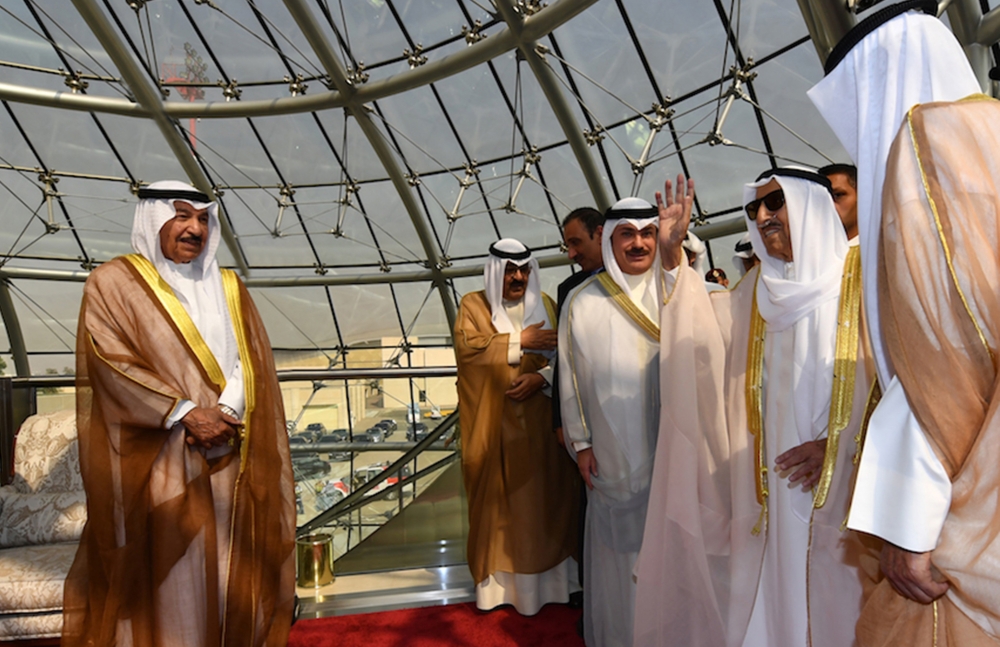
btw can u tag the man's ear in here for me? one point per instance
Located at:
(598, 231)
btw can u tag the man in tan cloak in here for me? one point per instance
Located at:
(926, 146)
(522, 488)
(764, 389)
(183, 450)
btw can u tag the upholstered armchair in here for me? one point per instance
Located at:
(42, 513)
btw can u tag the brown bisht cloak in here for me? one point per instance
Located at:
(181, 546)
(939, 294)
(523, 488)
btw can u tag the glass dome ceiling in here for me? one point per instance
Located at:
(366, 152)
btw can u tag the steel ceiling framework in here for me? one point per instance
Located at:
(522, 26)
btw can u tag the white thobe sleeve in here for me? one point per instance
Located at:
(181, 409)
(233, 395)
(514, 349)
(577, 438)
(902, 493)
(546, 373)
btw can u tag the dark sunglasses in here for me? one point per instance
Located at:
(773, 201)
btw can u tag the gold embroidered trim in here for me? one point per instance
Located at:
(626, 305)
(231, 287)
(845, 361)
(180, 317)
(842, 393)
(940, 230)
(754, 404)
(550, 310)
(935, 626)
(977, 96)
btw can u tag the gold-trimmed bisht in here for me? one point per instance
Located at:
(175, 310)
(231, 288)
(842, 393)
(940, 229)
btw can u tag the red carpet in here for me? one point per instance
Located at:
(459, 625)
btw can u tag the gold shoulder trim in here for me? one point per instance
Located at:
(165, 295)
(629, 308)
(231, 287)
(941, 236)
(550, 309)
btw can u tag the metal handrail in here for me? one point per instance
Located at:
(327, 516)
(444, 462)
(356, 446)
(292, 375)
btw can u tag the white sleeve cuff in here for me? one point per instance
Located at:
(903, 493)
(182, 409)
(233, 395)
(514, 349)
(546, 374)
(580, 445)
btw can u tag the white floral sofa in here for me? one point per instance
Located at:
(42, 513)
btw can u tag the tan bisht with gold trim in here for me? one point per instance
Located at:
(939, 289)
(183, 546)
(522, 487)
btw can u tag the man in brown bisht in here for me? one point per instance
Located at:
(901, 96)
(522, 488)
(183, 450)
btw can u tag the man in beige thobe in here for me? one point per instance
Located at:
(925, 144)
(520, 484)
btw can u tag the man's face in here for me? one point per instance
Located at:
(182, 238)
(845, 197)
(515, 281)
(634, 249)
(773, 225)
(583, 248)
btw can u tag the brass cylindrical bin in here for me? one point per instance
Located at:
(314, 555)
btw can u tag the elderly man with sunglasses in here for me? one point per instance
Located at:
(767, 389)
(522, 488)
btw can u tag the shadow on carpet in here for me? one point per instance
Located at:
(457, 625)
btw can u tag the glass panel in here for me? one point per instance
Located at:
(765, 27)
(48, 313)
(376, 416)
(781, 87)
(366, 315)
(298, 318)
(64, 139)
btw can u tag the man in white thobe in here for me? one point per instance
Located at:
(609, 386)
(763, 393)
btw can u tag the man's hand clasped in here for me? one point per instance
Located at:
(534, 338)
(524, 386)
(210, 427)
(912, 574)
